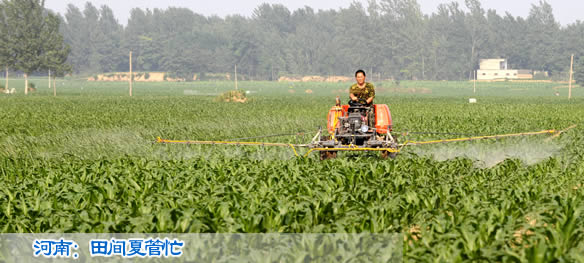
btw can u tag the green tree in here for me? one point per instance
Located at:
(106, 40)
(543, 33)
(406, 20)
(272, 26)
(311, 48)
(243, 44)
(447, 43)
(354, 38)
(477, 28)
(55, 53)
(6, 57)
(76, 34)
(34, 41)
(436, 42)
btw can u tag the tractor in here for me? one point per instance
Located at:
(357, 127)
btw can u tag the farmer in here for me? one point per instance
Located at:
(363, 92)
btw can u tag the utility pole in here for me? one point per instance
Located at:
(6, 86)
(571, 73)
(235, 76)
(54, 84)
(131, 74)
(25, 84)
(475, 83)
(423, 69)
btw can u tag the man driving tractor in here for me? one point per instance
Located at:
(362, 94)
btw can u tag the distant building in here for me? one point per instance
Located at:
(491, 69)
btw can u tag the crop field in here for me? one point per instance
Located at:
(86, 162)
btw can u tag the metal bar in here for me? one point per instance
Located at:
(165, 141)
(479, 138)
(267, 136)
(159, 140)
(262, 144)
(435, 133)
(353, 147)
(316, 136)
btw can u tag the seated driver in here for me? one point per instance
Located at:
(362, 92)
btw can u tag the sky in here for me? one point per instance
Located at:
(565, 11)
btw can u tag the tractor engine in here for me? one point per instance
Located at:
(356, 122)
(352, 127)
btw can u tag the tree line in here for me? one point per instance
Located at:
(390, 37)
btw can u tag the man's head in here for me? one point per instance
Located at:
(360, 76)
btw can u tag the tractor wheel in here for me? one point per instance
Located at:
(388, 154)
(325, 155)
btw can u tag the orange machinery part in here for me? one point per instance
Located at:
(382, 118)
(334, 113)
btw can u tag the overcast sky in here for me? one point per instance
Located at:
(565, 11)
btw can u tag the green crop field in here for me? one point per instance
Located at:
(86, 162)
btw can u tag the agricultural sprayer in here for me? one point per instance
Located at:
(357, 128)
